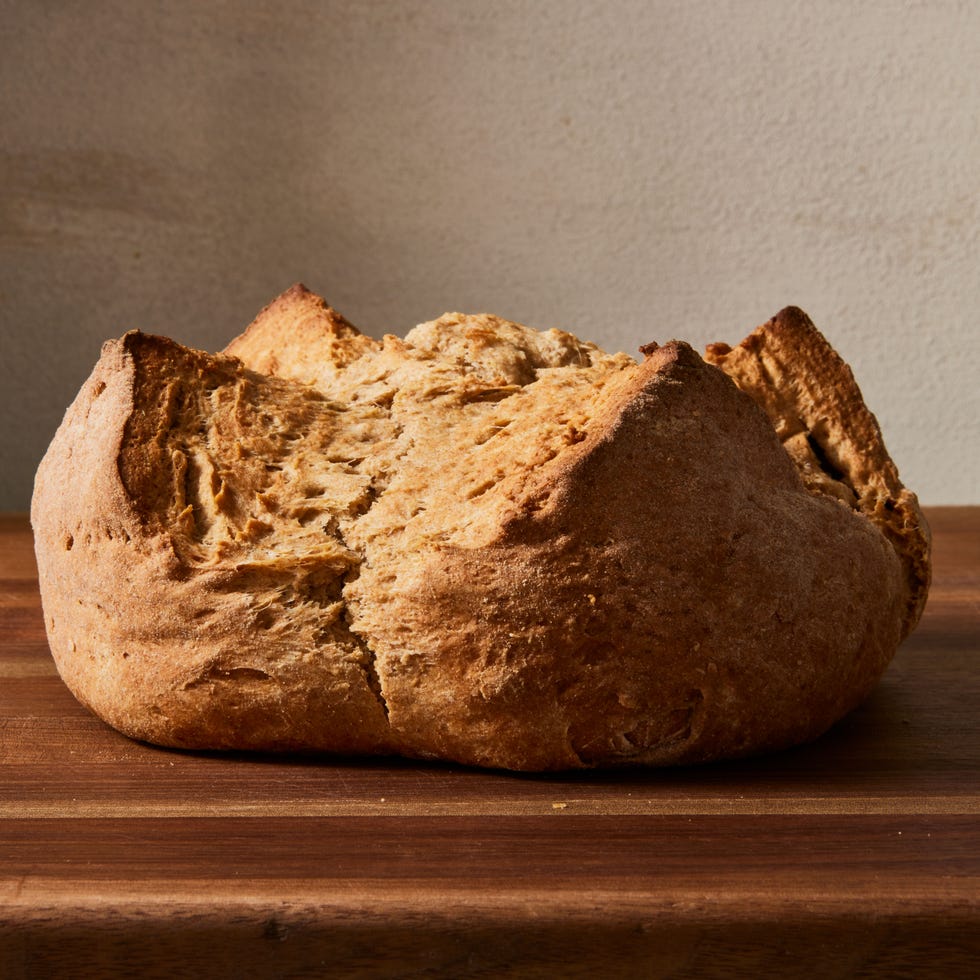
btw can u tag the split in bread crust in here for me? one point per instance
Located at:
(809, 394)
(480, 543)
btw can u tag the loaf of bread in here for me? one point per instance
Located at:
(479, 543)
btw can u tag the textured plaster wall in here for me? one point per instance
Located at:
(628, 171)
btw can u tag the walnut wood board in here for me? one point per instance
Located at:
(857, 855)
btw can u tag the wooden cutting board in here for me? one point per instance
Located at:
(858, 855)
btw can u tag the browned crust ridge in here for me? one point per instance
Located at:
(810, 395)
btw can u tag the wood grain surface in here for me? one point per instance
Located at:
(857, 855)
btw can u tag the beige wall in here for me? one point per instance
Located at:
(628, 171)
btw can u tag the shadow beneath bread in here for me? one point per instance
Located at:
(874, 747)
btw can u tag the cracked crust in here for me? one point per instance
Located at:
(188, 601)
(480, 543)
(809, 394)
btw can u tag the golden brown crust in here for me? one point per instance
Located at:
(301, 337)
(168, 613)
(810, 395)
(641, 602)
(480, 543)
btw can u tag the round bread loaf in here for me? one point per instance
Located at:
(479, 543)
